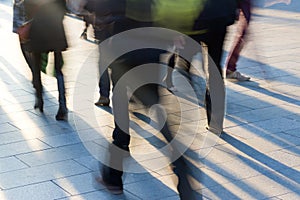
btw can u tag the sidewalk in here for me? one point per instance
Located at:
(257, 156)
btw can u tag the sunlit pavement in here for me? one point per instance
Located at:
(257, 156)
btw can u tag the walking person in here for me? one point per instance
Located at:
(244, 17)
(20, 19)
(209, 29)
(103, 28)
(136, 15)
(47, 34)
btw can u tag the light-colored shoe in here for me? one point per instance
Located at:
(103, 101)
(237, 75)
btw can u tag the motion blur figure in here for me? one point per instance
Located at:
(136, 14)
(20, 18)
(103, 28)
(47, 34)
(207, 24)
(244, 16)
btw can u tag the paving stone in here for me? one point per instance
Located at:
(258, 187)
(272, 142)
(89, 162)
(15, 136)
(61, 140)
(54, 155)
(11, 164)
(22, 147)
(232, 108)
(261, 128)
(293, 150)
(286, 159)
(154, 190)
(240, 168)
(293, 132)
(262, 114)
(79, 184)
(40, 173)
(103, 194)
(291, 195)
(6, 127)
(222, 153)
(41, 191)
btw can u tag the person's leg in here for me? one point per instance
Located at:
(112, 172)
(28, 55)
(171, 65)
(58, 63)
(36, 79)
(104, 84)
(242, 26)
(214, 41)
(104, 88)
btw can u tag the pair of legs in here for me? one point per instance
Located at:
(212, 43)
(104, 85)
(234, 53)
(148, 94)
(104, 88)
(58, 64)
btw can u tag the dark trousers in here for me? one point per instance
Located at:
(242, 27)
(148, 94)
(213, 40)
(104, 79)
(58, 64)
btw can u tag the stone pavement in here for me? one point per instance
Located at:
(257, 156)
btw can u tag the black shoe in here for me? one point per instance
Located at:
(62, 114)
(103, 101)
(39, 103)
(114, 189)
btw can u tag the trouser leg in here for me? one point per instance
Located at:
(58, 63)
(104, 84)
(36, 69)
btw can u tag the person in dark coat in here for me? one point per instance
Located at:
(47, 34)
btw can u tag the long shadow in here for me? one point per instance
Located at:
(66, 127)
(131, 180)
(255, 86)
(264, 159)
(199, 175)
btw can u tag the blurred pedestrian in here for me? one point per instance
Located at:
(244, 16)
(47, 34)
(209, 29)
(19, 19)
(103, 28)
(135, 14)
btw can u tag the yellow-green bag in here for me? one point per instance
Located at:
(179, 15)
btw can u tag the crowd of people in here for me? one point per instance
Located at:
(205, 21)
